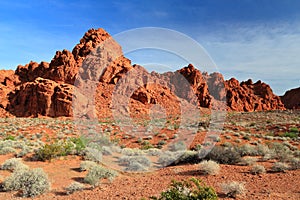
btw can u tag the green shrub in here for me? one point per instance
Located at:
(97, 173)
(31, 182)
(188, 190)
(80, 144)
(10, 137)
(294, 130)
(73, 187)
(54, 150)
(290, 134)
(209, 167)
(232, 189)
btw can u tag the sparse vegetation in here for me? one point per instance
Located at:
(73, 187)
(209, 167)
(258, 169)
(224, 155)
(188, 190)
(31, 182)
(233, 188)
(280, 167)
(97, 173)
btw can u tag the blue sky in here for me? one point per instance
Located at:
(258, 39)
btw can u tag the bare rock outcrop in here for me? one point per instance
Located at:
(249, 96)
(291, 99)
(47, 89)
(41, 97)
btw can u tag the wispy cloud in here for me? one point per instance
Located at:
(258, 51)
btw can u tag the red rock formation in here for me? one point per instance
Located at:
(249, 96)
(7, 84)
(41, 97)
(46, 89)
(291, 99)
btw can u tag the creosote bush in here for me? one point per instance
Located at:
(31, 182)
(193, 189)
(209, 167)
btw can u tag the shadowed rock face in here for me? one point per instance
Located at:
(46, 89)
(291, 99)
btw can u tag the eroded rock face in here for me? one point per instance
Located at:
(8, 79)
(249, 96)
(41, 97)
(291, 99)
(47, 88)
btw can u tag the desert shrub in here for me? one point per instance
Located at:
(248, 161)
(7, 150)
(73, 187)
(161, 143)
(185, 157)
(262, 149)
(179, 146)
(188, 190)
(279, 167)
(106, 150)
(209, 167)
(290, 135)
(224, 155)
(12, 164)
(167, 158)
(294, 130)
(80, 144)
(233, 188)
(280, 151)
(92, 154)
(153, 152)
(258, 169)
(294, 163)
(228, 137)
(54, 150)
(135, 167)
(87, 165)
(135, 163)
(10, 137)
(24, 151)
(246, 150)
(31, 182)
(97, 173)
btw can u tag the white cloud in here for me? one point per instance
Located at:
(258, 51)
